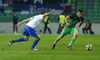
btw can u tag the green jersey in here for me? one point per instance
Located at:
(73, 20)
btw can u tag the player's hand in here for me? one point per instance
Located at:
(78, 28)
(53, 10)
(68, 24)
(17, 25)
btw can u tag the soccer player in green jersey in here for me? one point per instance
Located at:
(71, 21)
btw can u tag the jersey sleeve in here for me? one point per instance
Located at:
(31, 17)
(72, 15)
(41, 16)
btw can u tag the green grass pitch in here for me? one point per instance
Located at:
(21, 51)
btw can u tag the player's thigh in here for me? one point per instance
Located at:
(65, 31)
(37, 36)
(32, 32)
(25, 32)
(73, 30)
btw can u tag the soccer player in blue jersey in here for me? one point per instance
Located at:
(29, 29)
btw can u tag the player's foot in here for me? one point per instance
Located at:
(69, 46)
(33, 49)
(11, 42)
(53, 46)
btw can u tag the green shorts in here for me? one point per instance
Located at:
(67, 29)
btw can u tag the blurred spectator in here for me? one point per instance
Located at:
(4, 1)
(10, 1)
(61, 20)
(46, 23)
(15, 20)
(25, 1)
(0, 1)
(38, 1)
(31, 1)
(46, 2)
(19, 2)
(88, 27)
(2, 9)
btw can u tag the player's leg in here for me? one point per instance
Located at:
(26, 33)
(84, 30)
(16, 30)
(48, 27)
(18, 40)
(13, 28)
(58, 29)
(64, 32)
(57, 39)
(74, 38)
(45, 28)
(35, 42)
(21, 39)
(75, 33)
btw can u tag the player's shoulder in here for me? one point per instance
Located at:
(39, 15)
(73, 13)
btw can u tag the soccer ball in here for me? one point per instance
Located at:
(88, 47)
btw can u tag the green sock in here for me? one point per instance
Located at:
(72, 41)
(56, 40)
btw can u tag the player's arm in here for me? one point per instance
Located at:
(66, 20)
(80, 25)
(48, 13)
(17, 25)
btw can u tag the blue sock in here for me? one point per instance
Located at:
(20, 39)
(34, 43)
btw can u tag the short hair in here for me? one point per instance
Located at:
(43, 12)
(80, 10)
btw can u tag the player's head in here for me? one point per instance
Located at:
(88, 21)
(79, 13)
(43, 12)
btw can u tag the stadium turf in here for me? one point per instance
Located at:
(21, 51)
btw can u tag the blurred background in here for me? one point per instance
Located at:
(28, 8)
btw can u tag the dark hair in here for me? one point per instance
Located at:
(43, 12)
(80, 10)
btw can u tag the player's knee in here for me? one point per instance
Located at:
(26, 39)
(38, 38)
(60, 37)
(76, 35)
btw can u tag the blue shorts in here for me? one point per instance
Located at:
(28, 31)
